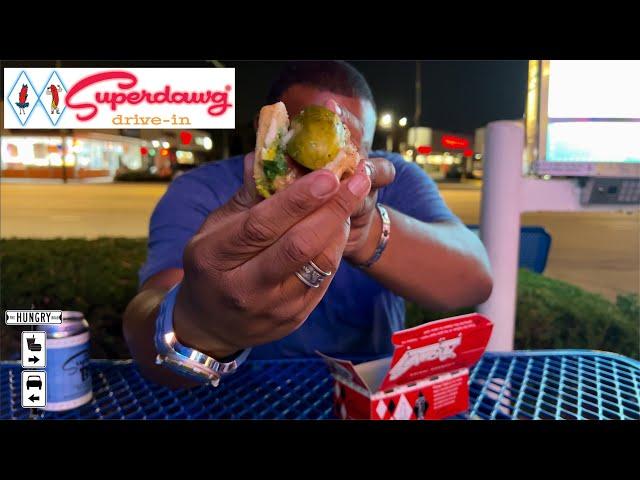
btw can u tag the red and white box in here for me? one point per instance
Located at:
(427, 378)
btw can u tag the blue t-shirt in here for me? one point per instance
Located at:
(357, 315)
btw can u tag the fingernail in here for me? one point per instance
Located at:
(323, 185)
(358, 185)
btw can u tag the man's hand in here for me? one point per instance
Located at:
(365, 222)
(239, 288)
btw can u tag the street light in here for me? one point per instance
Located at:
(386, 120)
(403, 122)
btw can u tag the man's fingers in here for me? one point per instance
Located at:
(296, 300)
(249, 180)
(308, 238)
(267, 221)
(351, 121)
(381, 171)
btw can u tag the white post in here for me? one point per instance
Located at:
(500, 226)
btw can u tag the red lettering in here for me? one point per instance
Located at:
(92, 79)
(220, 104)
(219, 100)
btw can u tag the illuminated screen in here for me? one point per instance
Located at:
(593, 111)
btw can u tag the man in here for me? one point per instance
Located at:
(234, 257)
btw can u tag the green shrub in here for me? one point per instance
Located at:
(552, 314)
(96, 277)
(99, 277)
(556, 314)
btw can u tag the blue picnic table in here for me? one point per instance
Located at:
(566, 384)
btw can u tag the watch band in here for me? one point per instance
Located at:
(384, 236)
(187, 361)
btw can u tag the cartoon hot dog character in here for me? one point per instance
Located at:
(55, 98)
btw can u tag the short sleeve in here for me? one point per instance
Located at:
(175, 219)
(414, 193)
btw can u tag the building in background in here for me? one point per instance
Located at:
(442, 154)
(100, 154)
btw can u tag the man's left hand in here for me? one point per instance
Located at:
(366, 224)
(363, 241)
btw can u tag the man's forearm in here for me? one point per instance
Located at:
(139, 331)
(441, 266)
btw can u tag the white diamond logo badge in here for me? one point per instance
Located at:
(403, 410)
(52, 98)
(381, 409)
(23, 98)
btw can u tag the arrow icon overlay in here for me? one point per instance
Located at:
(33, 398)
(33, 359)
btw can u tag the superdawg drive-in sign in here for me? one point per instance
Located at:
(117, 98)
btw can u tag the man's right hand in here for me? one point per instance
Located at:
(239, 287)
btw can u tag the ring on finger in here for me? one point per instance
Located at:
(312, 275)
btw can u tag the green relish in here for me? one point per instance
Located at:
(276, 167)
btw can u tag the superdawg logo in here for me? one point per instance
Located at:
(442, 351)
(216, 101)
(114, 98)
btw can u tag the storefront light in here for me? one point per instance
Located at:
(184, 158)
(55, 160)
(166, 145)
(207, 143)
(155, 143)
(403, 122)
(386, 120)
(70, 160)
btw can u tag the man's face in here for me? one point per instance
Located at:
(299, 96)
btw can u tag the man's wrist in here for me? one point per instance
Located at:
(186, 325)
(368, 248)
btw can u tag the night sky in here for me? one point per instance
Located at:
(458, 96)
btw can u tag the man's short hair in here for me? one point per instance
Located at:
(334, 76)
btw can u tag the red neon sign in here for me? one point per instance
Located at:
(185, 138)
(468, 152)
(144, 150)
(424, 150)
(449, 141)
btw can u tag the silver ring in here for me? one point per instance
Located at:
(312, 275)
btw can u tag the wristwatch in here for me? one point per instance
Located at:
(186, 361)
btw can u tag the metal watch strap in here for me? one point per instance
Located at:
(184, 360)
(384, 236)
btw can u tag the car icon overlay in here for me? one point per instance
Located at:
(34, 389)
(34, 381)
